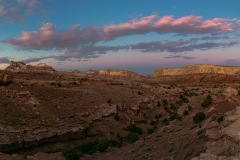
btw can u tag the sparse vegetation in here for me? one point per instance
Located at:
(134, 129)
(199, 117)
(207, 101)
(219, 118)
(132, 137)
(185, 112)
(116, 117)
(71, 154)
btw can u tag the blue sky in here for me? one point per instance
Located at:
(136, 35)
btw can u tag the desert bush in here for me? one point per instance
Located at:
(207, 101)
(102, 145)
(116, 117)
(109, 101)
(88, 147)
(134, 129)
(150, 130)
(158, 116)
(185, 112)
(153, 123)
(132, 137)
(71, 154)
(219, 118)
(159, 104)
(199, 117)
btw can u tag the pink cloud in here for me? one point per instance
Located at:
(47, 37)
(238, 23)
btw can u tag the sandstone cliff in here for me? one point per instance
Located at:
(22, 67)
(198, 69)
(119, 73)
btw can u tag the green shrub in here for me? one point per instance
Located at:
(153, 123)
(239, 92)
(88, 147)
(185, 112)
(116, 117)
(132, 137)
(199, 117)
(207, 101)
(109, 101)
(150, 130)
(189, 108)
(71, 154)
(158, 116)
(103, 145)
(219, 118)
(134, 129)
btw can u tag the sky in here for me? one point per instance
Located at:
(135, 35)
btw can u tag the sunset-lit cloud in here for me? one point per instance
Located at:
(47, 37)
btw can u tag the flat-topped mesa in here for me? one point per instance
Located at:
(198, 69)
(22, 67)
(119, 73)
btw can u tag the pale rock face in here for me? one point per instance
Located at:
(5, 79)
(198, 69)
(119, 73)
(230, 94)
(22, 67)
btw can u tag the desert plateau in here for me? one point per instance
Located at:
(116, 114)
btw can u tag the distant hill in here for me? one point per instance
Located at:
(198, 69)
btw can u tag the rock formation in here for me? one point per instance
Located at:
(5, 79)
(198, 69)
(119, 73)
(22, 67)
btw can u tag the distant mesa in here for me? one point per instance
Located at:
(22, 67)
(198, 69)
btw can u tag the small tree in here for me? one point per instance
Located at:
(199, 117)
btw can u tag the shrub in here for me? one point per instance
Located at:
(189, 108)
(158, 116)
(109, 101)
(219, 118)
(88, 147)
(185, 112)
(103, 145)
(132, 137)
(134, 129)
(199, 117)
(71, 154)
(150, 130)
(116, 117)
(207, 101)
(239, 92)
(159, 104)
(153, 123)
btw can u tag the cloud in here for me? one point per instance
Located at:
(179, 56)
(238, 23)
(4, 60)
(47, 37)
(16, 11)
(90, 52)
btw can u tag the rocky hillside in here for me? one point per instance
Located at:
(198, 69)
(22, 67)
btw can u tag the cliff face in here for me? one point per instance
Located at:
(119, 73)
(22, 67)
(198, 69)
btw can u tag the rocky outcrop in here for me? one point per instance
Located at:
(5, 79)
(119, 73)
(198, 69)
(22, 67)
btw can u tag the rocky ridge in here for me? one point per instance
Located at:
(22, 67)
(198, 69)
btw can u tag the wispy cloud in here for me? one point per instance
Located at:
(17, 10)
(179, 56)
(90, 52)
(47, 37)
